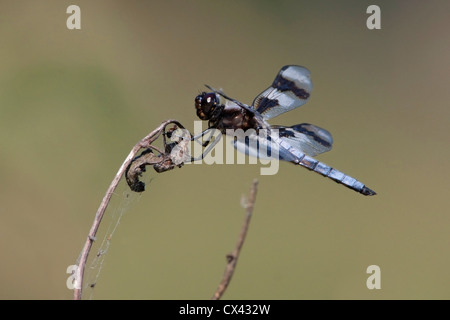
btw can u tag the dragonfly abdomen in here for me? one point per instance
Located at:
(333, 174)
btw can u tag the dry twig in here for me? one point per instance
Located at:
(162, 163)
(233, 257)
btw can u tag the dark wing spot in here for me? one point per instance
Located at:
(302, 128)
(285, 133)
(266, 103)
(284, 84)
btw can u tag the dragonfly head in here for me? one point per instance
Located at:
(207, 105)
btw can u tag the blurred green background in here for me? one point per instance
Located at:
(74, 102)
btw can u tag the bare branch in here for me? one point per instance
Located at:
(164, 162)
(233, 257)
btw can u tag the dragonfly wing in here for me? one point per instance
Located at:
(290, 89)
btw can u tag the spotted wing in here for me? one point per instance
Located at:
(299, 139)
(290, 89)
(306, 138)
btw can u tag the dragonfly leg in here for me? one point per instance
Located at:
(206, 143)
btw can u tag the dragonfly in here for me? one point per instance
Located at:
(297, 144)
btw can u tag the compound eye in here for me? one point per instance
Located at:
(209, 101)
(199, 99)
(205, 105)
